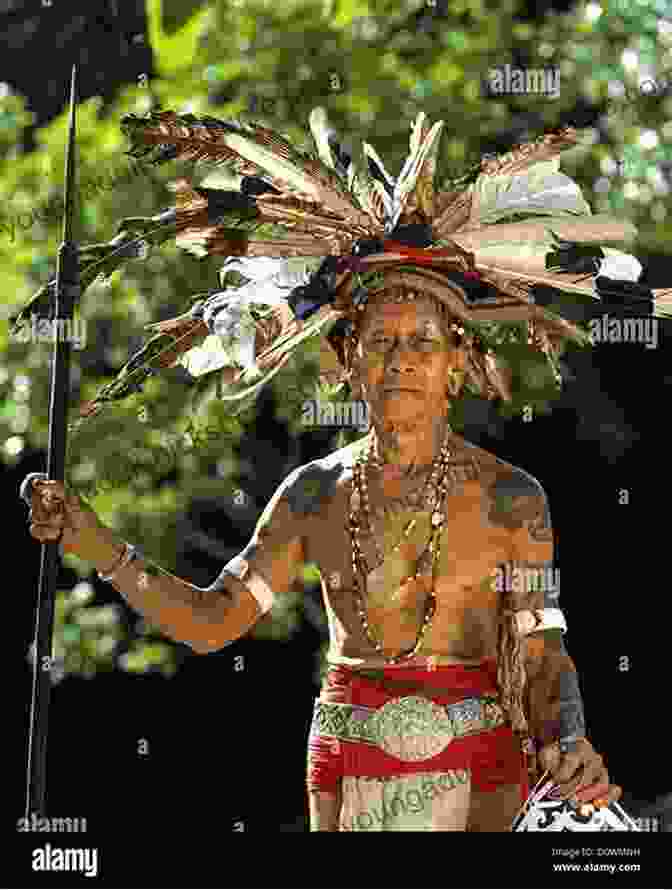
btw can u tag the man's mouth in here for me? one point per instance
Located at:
(401, 389)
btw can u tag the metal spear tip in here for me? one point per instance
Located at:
(70, 162)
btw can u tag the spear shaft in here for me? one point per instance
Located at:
(67, 290)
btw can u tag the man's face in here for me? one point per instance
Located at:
(403, 361)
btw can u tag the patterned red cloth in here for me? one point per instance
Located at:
(493, 756)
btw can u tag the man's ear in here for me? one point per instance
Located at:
(455, 383)
(458, 361)
(355, 387)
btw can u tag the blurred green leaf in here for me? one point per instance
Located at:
(176, 48)
(175, 13)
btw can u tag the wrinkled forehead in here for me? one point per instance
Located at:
(420, 314)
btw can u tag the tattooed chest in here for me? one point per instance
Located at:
(470, 550)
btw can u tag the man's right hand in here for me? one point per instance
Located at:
(57, 515)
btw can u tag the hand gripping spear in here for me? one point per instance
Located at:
(67, 290)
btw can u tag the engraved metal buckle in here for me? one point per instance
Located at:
(412, 728)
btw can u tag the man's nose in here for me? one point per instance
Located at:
(400, 356)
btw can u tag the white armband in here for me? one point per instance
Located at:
(531, 620)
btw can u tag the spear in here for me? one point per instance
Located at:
(67, 290)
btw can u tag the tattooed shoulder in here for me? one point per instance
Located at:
(514, 500)
(311, 487)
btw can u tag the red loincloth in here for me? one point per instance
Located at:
(493, 756)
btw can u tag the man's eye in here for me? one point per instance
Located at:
(384, 341)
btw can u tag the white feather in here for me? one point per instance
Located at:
(540, 189)
(269, 274)
(208, 357)
(370, 152)
(413, 165)
(620, 266)
(319, 127)
(228, 316)
(269, 160)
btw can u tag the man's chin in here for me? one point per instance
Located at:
(410, 406)
(403, 395)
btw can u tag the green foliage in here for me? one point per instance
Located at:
(373, 69)
(176, 13)
(90, 639)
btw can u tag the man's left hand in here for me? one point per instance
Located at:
(580, 774)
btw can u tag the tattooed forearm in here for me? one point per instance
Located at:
(571, 717)
(180, 609)
(556, 705)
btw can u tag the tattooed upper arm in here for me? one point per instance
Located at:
(519, 503)
(516, 501)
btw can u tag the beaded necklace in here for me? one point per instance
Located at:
(437, 486)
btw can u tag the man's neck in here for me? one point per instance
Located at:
(403, 451)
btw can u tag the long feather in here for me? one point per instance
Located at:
(452, 211)
(186, 340)
(377, 167)
(520, 158)
(364, 188)
(162, 351)
(581, 284)
(213, 242)
(311, 216)
(328, 148)
(319, 128)
(248, 148)
(190, 221)
(374, 180)
(423, 192)
(423, 146)
(541, 189)
(135, 236)
(598, 228)
(279, 217)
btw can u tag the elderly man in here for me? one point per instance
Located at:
(437, 671)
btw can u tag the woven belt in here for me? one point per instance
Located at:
(410, 728)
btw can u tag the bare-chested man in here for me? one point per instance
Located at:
(425, 743)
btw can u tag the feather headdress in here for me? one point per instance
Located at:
(308, 236)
